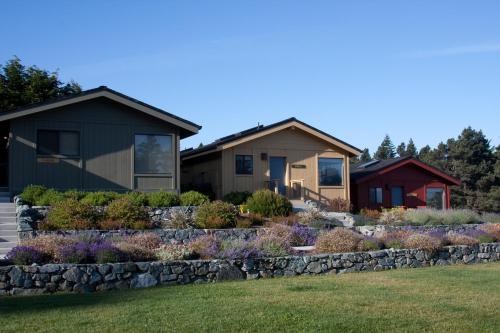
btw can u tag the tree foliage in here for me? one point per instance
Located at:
(471, 159)
(21, 85)
(386, 149)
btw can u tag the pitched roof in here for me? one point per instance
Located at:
(262, 130)
(364, 171)
(188, 128)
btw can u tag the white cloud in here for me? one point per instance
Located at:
(454, 51)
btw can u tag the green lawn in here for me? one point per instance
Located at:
(439, 299)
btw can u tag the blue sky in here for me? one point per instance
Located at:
(355, 69)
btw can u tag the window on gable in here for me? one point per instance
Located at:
(54, 142)
(330, 171)
(244, 164)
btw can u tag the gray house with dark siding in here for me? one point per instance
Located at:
(96, 140)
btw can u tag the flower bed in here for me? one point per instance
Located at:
(37, 279)
(423, 217)
(276, 240)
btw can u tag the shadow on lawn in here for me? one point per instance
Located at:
(40, 303)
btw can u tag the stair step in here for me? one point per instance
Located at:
(4, 199)
(8, 220)
(8, 233)
(5, 227)
(7, 214)
(8, 245)
(7, 239)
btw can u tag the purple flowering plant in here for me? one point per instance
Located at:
(25, 255)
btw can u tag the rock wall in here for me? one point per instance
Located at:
(168, 236)
(28, 280)
(374, 230)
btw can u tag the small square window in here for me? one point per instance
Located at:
(53, 142)
(244, 164)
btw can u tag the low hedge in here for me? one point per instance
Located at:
(269, 204)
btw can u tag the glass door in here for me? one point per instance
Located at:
(397, 196)
(277, 168)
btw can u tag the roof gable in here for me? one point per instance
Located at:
(360, 174)
(261, 131)
(187, 128)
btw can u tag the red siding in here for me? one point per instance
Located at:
(412, 178)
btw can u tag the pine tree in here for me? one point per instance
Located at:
(20, 85)
(411, 149)
(365, 156)
(386, 149)
(401, 150)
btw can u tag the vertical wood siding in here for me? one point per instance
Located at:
(106, 161)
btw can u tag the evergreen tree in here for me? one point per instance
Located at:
(20, 85)
(471, 159)
(365, 156)
(386, 149)
(401, 150)
(411, 149)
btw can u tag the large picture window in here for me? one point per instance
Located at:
(244, 164)
(331, 171)
(54, 142)
(152, 154)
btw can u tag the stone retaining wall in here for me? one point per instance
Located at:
(374, 230)
(186, 235)
(28, 280)
(167, 235)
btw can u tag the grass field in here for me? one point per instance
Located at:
(438, 299)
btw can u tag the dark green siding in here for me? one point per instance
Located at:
(107, 133)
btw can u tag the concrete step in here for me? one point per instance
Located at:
(7, 214)
(8, 233)
(8, 220)
(7, 227)
(7, 239)
(4, 199)
(8, 244)
(8, 210)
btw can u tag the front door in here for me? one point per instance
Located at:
(397, 196)
(277, 168)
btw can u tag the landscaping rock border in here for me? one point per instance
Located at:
(31, 280)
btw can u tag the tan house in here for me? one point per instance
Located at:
(290, 157)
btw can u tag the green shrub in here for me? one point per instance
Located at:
(216, 215)
(163, 199)
(138, 198)
(65, 214)
(269, 204)
(437, 217)
(32, 193)
(237, 198)
(193, 198)
(73, 194)
(50, 198)
(126, 210)
(490, 217)
(99, 198)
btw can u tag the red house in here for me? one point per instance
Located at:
(402, 181)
